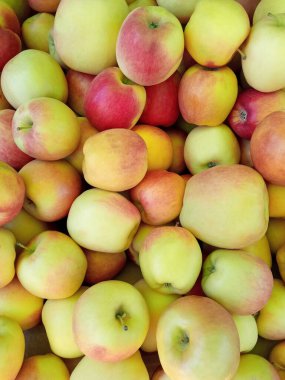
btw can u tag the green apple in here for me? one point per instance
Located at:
(247, 331)
(127, 369)
(255, 367)
(197, 339)
(180, 8)
(110, 321)
(59, 329)
(137, 242)
(268, 6)
(140, 3)
(157, 303)
(207, 147)
(170, 247)
(238, 281)
(7, 256)
(35, 31)
(32, 74)
(52, 266)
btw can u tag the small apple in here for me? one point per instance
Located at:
(8, 256)
(35, 31)
(255, 367)
(78, 85)
(11, 45)
(247, 330)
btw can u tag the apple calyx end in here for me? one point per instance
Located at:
(153, 25)
(211, 164)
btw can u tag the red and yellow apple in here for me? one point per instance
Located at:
(78, 85)
(49, 6)
(36, 29)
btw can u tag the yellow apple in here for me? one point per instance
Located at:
(276, 233)
(276, 200)
(255, 367)
(35, 31)
(260, 249)
(247, 330)
(7, 256)
(268, 6)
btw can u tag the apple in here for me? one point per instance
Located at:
(78, 85)
(8, 18)
(150, 45)
(255, 367)
(277, 358)
(9, 152)
(110, 92)
(159, 146)
(280, 258)
(207, 96)
(51, 266)
(3, 101)
(159, 196)
(228, 276)
(35, 31)
(11, 45)
(108, 221)
(267, 148)
(247, 330)
(110, 321)
(245, 157)
(12, 193)
(268, 6)
(196, 338)
(8, 256)
(251, 108)
(276, 233)
(12, 348)
(140, 3)
(216, 47)
(51, 188)
(276, 200)
(161, 108)
(127, 369)
(53, 51)
(216, 200)
(85, 37)
(137, 242)
(86, 131)
(59, 329)
(33, 227)
(49, 6)
(270, 320)
(222, 148)
(115, 159)
(20, 7)
(20, 305)
(270, 75)
(102, 266)
(32, 74)
(180, 8)
(260, 249)
(178, 138)
(170, 247)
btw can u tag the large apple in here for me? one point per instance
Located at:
(8, 256)
(255, 367)
(108, 221)
(197, 339)
(270, 75)
(267, 148)
(109, 93)
(150, 45)
(214, 46)
(32, 74)
(46, 129)
(85, 36)
(110, 321)
(35, 31)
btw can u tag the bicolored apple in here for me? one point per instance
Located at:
(78, 85)
(36, 29)
(11, 45)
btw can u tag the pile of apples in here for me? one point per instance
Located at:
(142, 189)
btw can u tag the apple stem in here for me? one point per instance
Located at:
(121, 317)
(243, 56)
(30, 250)
(23, 128)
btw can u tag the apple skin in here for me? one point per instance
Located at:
(205, 96)
(270, 320)
(108, 221)
(9, 19)
(12, 348)
(83, 29)
(247, 330)
(269, 76)
(11, 45)
(159, 146)
(161, 108)
(78, 85)
(20, 305)
(35, 31)
(222, 148)
(109, 93)
(254, 366)
(8, 256)
(52, 266)
(102, 266)
(251, 108)
(178, 138)
(268, 6)
(205, 332)
(276, 233)
(180, 8)
(32, 74)
(115, 330)
(51, 188)
(168, 247)
(9, 152)
(276, 200)
(150, 45)
(49, 6)
(115, 159)
(277, 358)
(223, 273)
(267, 148)
(59, 330)
(12, 193)
(159, 196)
(216, 49)
(128, 369)
(214, 216)
(46, 129)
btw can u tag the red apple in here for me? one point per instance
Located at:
(251, 108)
(10, 46)
(8, 18)
(78, 85)
(109, 94)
